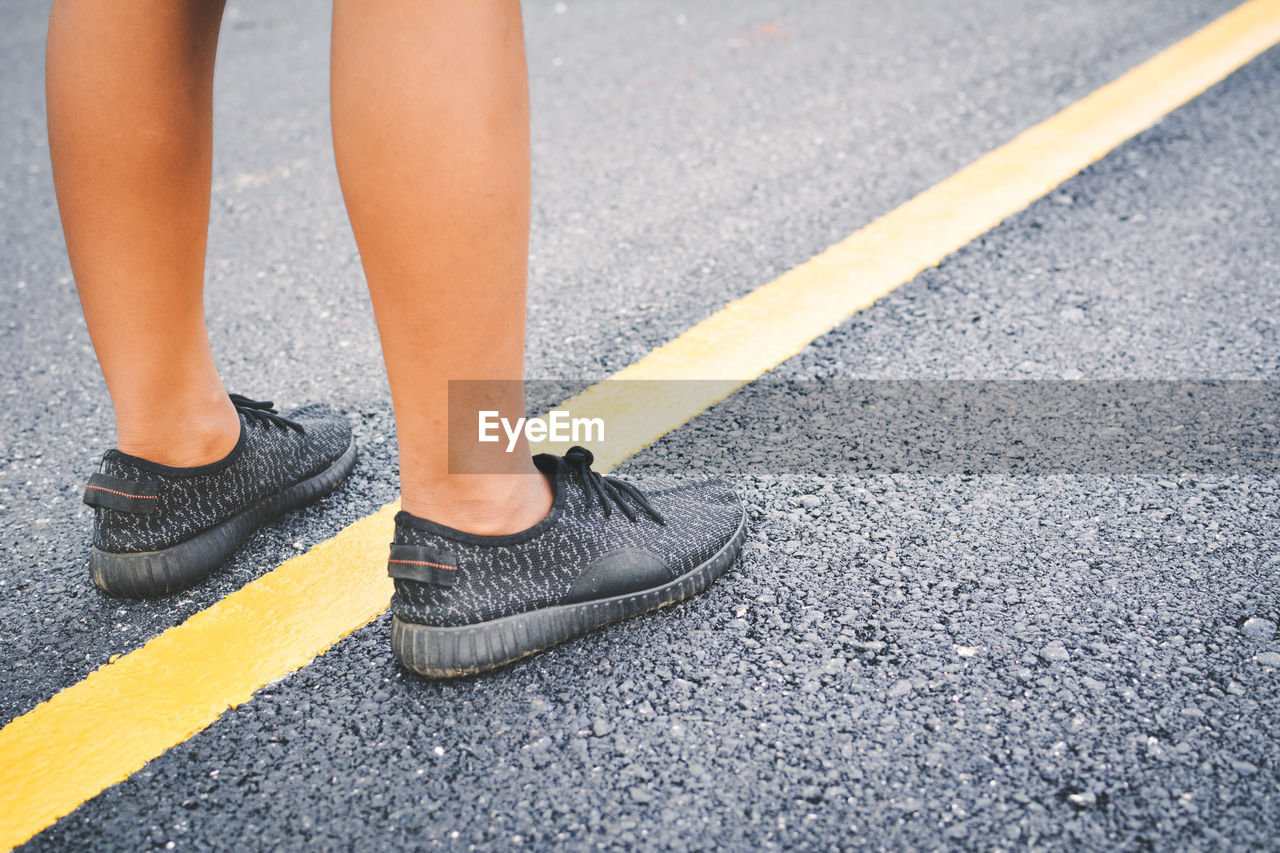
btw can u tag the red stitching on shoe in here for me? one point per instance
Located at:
(124, 494)
(424, 563)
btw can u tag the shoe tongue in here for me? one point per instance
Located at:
(558, 476)
(568, 489)
(552, 467)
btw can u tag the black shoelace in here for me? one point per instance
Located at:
(608, 489)
(263, 412)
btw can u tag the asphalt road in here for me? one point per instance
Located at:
(898, 660)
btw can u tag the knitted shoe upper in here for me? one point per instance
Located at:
(268, 458)
(499, 576)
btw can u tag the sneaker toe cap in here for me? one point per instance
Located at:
(328, 433)
(701, 518)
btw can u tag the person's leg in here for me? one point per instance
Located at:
(130, 106)
(431, 135)
(430, 121)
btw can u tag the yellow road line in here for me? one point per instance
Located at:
(756, 333)
(99, 731)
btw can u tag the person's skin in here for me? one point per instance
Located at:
(431, 133)
(129, 90)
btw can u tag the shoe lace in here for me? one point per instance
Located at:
(263, 412)
(608, 489)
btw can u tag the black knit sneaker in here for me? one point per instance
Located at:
(159, 529)
(606, 551)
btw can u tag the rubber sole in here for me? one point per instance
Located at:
(438, 652)
(150, 574)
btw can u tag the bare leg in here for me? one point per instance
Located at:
(431, 133)
(130, 103)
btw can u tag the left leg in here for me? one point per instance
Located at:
(129, 89)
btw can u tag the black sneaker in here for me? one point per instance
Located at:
(159, 529)
(605, 552)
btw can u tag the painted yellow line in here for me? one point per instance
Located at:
(99, 731)
(756, 333)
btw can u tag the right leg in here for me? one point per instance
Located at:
(130, 104)
(431, 133)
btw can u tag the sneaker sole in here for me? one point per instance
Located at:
(439, 652)
(150, 574)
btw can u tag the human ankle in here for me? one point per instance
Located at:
(485, 505)
(181, 437)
